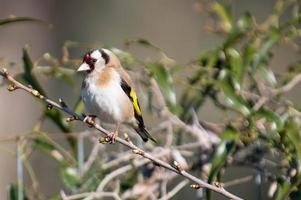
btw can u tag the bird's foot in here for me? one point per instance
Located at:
(113, 136)
(90, 120)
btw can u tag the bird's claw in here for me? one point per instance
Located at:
(113, 137)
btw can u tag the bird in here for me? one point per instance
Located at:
(108, 93)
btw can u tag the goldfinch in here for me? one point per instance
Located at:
(108, 93)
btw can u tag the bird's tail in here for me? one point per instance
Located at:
(145, 135)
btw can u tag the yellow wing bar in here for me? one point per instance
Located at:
(135, 101)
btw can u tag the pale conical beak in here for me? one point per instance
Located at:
(83, 67)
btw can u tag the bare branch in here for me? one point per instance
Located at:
(132, 146)
(238, 181)
(289, 86)
(125, 169)
(92, 157)
(90, 195)
(175, 190)
(274, 92)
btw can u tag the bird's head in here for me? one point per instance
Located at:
(95, 59)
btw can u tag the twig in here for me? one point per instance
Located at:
(274, 92)
(125, 169)
(238, 181)
(149, 186)
(90, 194)
(62, 106)
(290, 85)
(125, 156)
(80, 153)
(92, 157)
(175, 190)
(112, 175)
(20, 173)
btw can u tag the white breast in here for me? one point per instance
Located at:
(104, 102)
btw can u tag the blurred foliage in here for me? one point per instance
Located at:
(235, 76)
(19, 19)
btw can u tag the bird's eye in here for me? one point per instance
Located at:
(94, 60)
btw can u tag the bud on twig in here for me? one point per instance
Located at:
(70, 119)
(63, 104)
(104, 140)
(12, 87)
(177, 166)
(4, 72)
(218, 184)
(127, 138)
(195, 186)
(137, 151)
(35, 93)
(49, 106)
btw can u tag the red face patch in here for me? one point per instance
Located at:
(87, 58)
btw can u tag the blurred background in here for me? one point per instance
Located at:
(176, 26)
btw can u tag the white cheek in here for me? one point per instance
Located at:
(99, 65)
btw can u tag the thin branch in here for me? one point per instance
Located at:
(62, 106)
(112, 175)
(92, 157)
(20, 171)
(239, 181)
(125, 156)
(289, 86)
(274, 92)
(80, 153)
(93, 195)
(175, 190)
(125, 169)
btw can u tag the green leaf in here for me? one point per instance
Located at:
(70, 177)
(130, 180)
(142, 42)
(91, 178)
(79, 106)
(233, 37)
(164, 80)
(219, 158)
(232, 99)
(48, 149)
(245, 22)
(19, 19)
(292, 128)
(230, 133)
(267, 75)
(237, 67)
(27, 76)
(224, 13)
(283, 190)
(57, 117)
(13, 192)
(262, 55)
(55, 197)
(60, 73)
(274, 119)
(224, 149)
